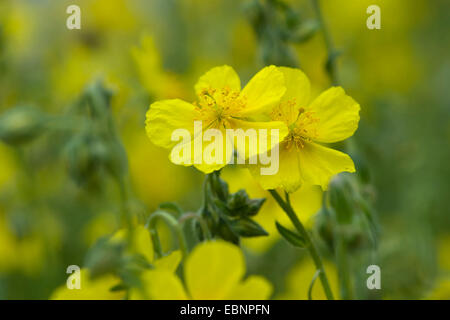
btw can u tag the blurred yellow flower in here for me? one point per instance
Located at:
(100, 287)
(26, 255)
(153, 77)
(299, 279)
(91, 289)
(221, 105)
(441, 291)
(214, 270)
(331, 117)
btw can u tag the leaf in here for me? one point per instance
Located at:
(293, 238)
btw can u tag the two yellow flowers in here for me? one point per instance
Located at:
(276, 99)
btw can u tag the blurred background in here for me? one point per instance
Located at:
(65, 167)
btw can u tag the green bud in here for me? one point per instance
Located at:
(21, 125)
(224, 231)
(340, 195)
(247, 228)
(239, 204)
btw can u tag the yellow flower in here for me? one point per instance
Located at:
(221, 105)
(142, 244)
(441, 291)
(153, 77)
(333, 116)
(214, 270)
(100, 287)
(299, 279)
(91, 289)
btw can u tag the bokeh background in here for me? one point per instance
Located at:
(58, 193)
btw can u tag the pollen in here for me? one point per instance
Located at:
(217, 106)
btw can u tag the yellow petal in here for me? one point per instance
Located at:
(253, 288)
(169, 262)
(159, 285)
(142, 243)
(297, 86)
(215, 153)
(218, 78)
(338, 115)
(263, 92)
(90, 289)
(288, 176)
(165, 116)
(213, 269)
(318, 164)
(275, 132)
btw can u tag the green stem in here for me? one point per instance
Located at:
(287, 208)
(332, 52)
(343, 266)
(200, 220)
(173, 224)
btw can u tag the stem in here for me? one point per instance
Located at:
(200, 220)
(173, 224)
(332, 52)
(287, 208)
(343, 267)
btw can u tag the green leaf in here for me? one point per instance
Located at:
(293, 238)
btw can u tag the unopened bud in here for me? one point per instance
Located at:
(21, 124)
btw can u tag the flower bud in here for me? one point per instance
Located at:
(21, 125)
(340, 196)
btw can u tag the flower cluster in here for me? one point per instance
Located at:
(275, 98)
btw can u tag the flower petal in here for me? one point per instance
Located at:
(213, 269)
(91, 289)
(338, 115)
(318, 164)
(275, 132)
(218, 78)
(298, 86)
(169, 262)
(288, 176)
(263, 92)
(165, 116)
(253, 288)
(142, 243)
(159, 285)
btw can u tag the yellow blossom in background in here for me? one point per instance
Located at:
(299, 279)
(100, 287)
(441, 290)
(444, 253)
(7, 163)
(331, 117)
(153, 77)
(26, 255)
(91, 289)
(221, 105)
(213, 271)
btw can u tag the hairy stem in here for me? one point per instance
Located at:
(287, 208)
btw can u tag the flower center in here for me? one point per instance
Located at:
(217, 106)
(301, 123)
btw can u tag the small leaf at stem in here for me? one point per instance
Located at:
(293, 238)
